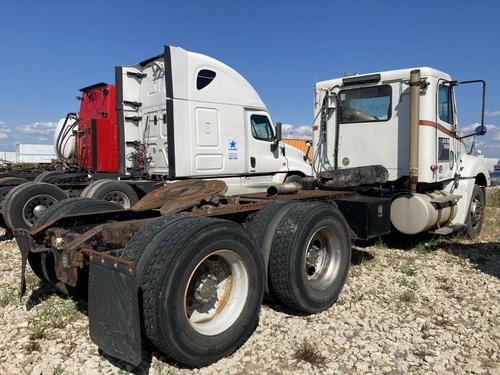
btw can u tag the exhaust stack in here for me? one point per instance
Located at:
(414, 122)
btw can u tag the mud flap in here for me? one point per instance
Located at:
(23, 242)
(113, 308)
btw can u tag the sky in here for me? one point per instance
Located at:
(50, 49)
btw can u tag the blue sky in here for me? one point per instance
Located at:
(50, 49)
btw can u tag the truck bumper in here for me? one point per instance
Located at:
(113, 307)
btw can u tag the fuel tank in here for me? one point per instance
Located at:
(416, 213)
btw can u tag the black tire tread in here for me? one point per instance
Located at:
(151, 279)
(470, 231)
(281, 256)
(102, 187)
(74, 206)
(262, 218)
(135, 247)
(44, 176)
(13, 195)
(12, 181)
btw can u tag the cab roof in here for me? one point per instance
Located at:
(389, 75)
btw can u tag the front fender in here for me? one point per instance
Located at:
(473, 166)
(297, 161)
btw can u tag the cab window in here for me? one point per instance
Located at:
(261, 128)
(445, 105)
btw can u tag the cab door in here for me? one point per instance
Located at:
(261, 159)
(446, 142)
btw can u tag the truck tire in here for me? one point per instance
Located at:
(26, 202)
(42, 264)
(310, 257)
(73, 206)
(12, 181)
(118, 192)
(475, 216)
(263, 227)
(47, 176)
(89, 188)
(7, 174)
(202, 288)
(135, 247)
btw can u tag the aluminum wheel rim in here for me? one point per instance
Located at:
(35, 206)
(476, 212)
(119, 198)
(322, 257)
(216, 292)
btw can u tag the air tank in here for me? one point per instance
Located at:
(67, 145)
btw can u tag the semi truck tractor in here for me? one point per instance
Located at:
(186, 267)
(195, 119)
(433, 180)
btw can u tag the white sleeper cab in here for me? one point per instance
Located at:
(196, 117)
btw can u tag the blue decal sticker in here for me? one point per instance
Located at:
(232, 146)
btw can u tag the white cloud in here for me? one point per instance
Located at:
(492, 113)
(304, 130)
(470, 128)
(43, 139)
(42, 128)
(297, 132)
(4, 130)
(496, 136)
(285, 128)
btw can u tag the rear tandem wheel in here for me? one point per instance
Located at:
(118, 192)
(25, 203)
(202, 286)
(309, 249)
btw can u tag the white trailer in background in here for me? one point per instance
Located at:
(34, 153)
(8, 156)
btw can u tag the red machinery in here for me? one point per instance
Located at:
(97, 138)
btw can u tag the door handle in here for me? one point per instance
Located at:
(252, 162)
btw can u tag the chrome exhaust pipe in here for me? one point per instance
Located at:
(286, 188)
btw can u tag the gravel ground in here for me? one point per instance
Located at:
(425, 305)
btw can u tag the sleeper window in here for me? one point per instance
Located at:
(365, 104)
(205, 77)
(261, 128)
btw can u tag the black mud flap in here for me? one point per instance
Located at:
(113, 308)
(23, 242)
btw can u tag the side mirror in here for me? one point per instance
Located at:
(278, 131)
(480, 130)
(277, 138)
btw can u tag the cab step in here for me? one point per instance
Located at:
(449, 229)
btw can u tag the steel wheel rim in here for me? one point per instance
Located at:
(216, 292)
(34, 207)
(118, 197)
(322, 258)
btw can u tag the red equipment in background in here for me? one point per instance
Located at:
(97, 137)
